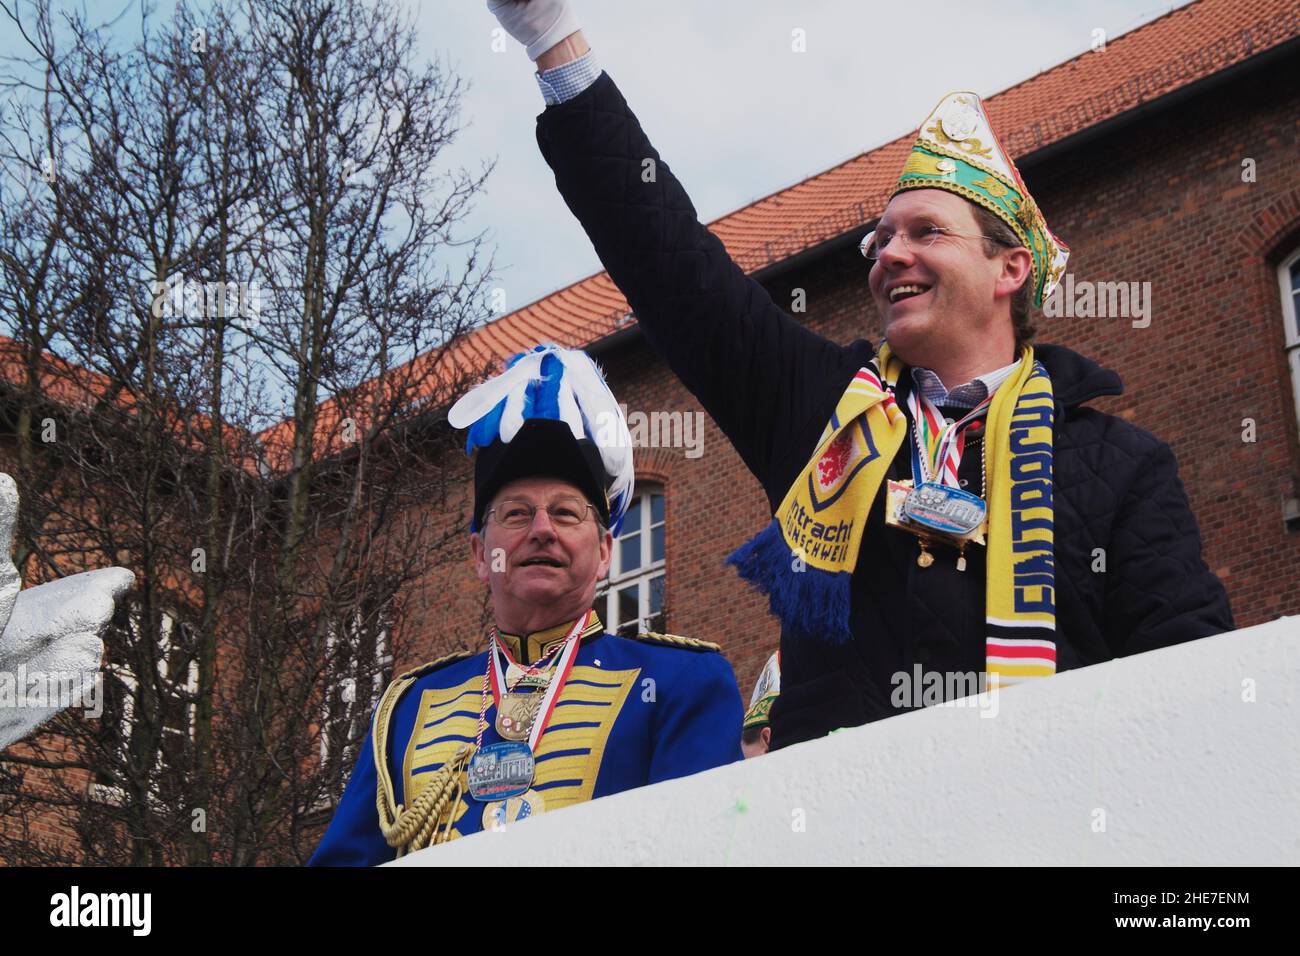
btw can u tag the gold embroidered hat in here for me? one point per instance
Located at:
(957, 150)
(766, 691)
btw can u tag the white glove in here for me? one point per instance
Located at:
(537, 24)
(52, 629)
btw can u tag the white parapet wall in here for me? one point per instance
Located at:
(1188, 755)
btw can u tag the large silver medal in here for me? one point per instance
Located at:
(946, 511)
(501, 770)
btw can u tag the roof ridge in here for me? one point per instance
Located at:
(1082, 53)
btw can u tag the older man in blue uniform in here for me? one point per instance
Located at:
(553, 710)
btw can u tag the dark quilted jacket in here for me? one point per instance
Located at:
(771, 385)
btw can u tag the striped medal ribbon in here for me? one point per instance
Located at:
(568, 652)
(943, 443)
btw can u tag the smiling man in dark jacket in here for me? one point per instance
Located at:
(1010, 531)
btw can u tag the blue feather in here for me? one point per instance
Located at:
(562, 385)
(545, 392)
(485, 431)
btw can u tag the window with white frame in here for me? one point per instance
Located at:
(175, 688)
(632, 598)
(360, 665)
(1288, 275)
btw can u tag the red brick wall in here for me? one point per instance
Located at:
(1164, 202)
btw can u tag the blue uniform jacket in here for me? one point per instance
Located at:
(633, 712)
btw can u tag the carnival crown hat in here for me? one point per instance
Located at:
(549, 413)
(957, 150)
(766, 691)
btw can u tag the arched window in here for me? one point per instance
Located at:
(1288, 275)
(632, 598)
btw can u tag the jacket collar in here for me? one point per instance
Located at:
(1076, 378)
(531, 647)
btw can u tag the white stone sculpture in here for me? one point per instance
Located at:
(50, 635)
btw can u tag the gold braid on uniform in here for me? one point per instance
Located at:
(427, 821)
(676, 640)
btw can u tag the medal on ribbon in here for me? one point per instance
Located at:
(504, 771)
(523, 716)
(500, 770)
(519, 676)
(935, 507)
(516, 713)
(512, 810)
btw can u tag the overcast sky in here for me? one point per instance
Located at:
(729, 105)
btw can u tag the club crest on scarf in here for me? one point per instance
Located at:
(848, 452)
(803, 559)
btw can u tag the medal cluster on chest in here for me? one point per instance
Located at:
(501, 774)
(932, 505)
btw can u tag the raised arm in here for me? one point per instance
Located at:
(768, 382)
(566, 51)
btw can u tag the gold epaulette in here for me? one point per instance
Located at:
(435, 664)
(676, 640)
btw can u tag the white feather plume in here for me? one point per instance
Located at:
(481, 399)
(586, 405)
(604, 419)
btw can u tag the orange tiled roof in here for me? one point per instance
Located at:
(60, 381)
(76, 386)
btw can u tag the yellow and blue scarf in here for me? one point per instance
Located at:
(804, 559)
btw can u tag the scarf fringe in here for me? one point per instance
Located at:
(810, 602)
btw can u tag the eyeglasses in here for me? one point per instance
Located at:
(922, 235)
(564, 512)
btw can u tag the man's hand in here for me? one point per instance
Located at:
(537, 24)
